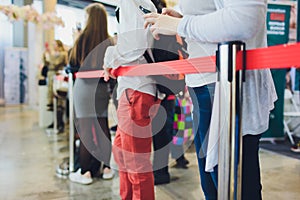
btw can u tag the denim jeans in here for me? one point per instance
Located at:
(202, 98)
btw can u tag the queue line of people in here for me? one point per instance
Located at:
(203, 24)
(55, 58)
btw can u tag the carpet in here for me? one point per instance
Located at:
(281, 147)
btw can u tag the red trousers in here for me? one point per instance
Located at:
(132, 144)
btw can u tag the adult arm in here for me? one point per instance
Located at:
(237, 20)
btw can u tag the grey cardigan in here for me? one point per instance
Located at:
(234, 20)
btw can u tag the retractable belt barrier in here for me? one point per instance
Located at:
(231, 60)
(275, 57)
(69, 80)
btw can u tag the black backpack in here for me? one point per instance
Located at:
(167, 48)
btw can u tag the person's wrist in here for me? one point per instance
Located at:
(176, 24)
(181, 27)
(177, 21)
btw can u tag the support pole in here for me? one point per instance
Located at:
(49, 6)
(71, 124)
(55, 131)
(230, 143)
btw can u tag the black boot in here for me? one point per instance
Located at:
(161, 176)
(181, 162)
(50, 126)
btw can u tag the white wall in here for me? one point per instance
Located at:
(71, 16)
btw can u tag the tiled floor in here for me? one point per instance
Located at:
(28, 157)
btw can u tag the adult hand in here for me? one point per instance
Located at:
(171, 12)
(161, 24)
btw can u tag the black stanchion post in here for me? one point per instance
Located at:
(71, 124)
(230, 142)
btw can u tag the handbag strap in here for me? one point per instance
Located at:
(148, 57)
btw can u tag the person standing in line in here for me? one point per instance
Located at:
(45, 67)
(162, 125)
(91, 97)
(138, 102)
(57, 60)
(162, 140)
(204, 24)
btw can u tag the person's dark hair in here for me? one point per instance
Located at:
(93, 34)
(159, 4)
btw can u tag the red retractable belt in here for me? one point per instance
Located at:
(275, 57)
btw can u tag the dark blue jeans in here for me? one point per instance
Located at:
(202, 98)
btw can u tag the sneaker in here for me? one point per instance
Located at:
(63, 168)
(61, 128)
(295, 149)
(108, 174)
(50, 109)
(51, 126)
(77, 177)
(114, 128)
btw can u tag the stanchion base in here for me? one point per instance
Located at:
(62, 176)
(272, 140)
(62, 170)
(51, 132)
(64, 149)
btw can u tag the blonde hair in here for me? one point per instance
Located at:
(60, 45)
